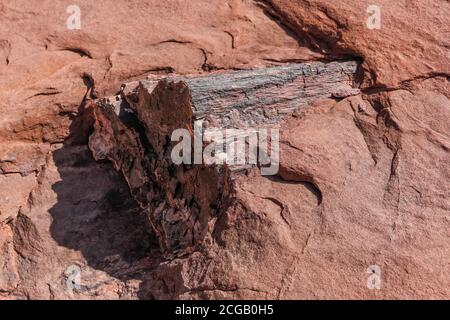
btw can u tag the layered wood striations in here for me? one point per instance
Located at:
(133, 131)
(262, 96)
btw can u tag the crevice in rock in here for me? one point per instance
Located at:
(5, 46)
(50, 92)
(405, 84)
(175, 41)
(82, 52)
(305, 40)
(233, 44)
(310, 37)
(305, 179)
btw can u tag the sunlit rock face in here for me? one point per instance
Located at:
(92, 208)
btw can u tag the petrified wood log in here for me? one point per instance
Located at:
(133, 130)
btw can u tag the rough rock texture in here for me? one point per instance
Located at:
(412, 43)
(363, 180)
(182, 201)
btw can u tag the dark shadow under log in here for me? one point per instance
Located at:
(133, 130)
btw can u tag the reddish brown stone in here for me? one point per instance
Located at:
(363, 180)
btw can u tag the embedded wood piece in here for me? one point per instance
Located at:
(133, 130)
(261, 97)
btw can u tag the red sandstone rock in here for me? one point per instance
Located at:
(410, 45)
(362, 181)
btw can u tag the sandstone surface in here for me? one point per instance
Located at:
(363, 180)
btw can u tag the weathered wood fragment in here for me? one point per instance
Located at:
(133, 130)
(261, 96)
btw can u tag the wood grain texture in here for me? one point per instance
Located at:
(133, 131)
(260, 97)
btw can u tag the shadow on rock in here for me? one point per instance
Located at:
(96, 215)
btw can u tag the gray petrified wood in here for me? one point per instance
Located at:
(133, 131)
(262, 96)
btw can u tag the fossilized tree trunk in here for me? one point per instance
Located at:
(133, 131)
